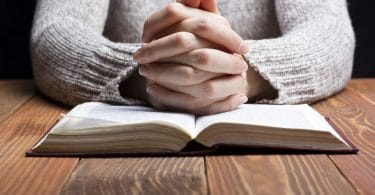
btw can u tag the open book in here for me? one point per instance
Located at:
(98, 128)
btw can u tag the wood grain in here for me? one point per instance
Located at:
(21, 175)
(353, 111)
(364, 88)
(14, 93)
(184, 175)
(275, 174)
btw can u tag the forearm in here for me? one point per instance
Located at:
(313, 57)
(72, 61)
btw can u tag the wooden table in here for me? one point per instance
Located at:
(25, 116)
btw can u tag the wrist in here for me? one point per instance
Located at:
(258, 88)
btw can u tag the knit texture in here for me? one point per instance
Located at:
(83, 49)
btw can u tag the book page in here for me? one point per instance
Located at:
(101, 114)
(282, 116)
(320, 122)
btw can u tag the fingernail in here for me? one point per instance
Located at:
(245, 67)
(145, 38)
(243, 99)
(150, 89)
(243, 75)
(137, 56)
(244, 48)
(244, 63)
(143, 70)
(244, 70)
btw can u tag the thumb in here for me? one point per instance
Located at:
(190, 3)
(209, 5)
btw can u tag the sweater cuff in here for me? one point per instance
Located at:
(292, 79)
(109, 61)
(72, 65)
(302, 71)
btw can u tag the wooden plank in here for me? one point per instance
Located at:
(275, 174)
(302, 174)
(184, 175)
(365, 88)
(14, 93)
(354, 113)
(21, 175)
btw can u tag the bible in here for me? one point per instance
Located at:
(99, 129)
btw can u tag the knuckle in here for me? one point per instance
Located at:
(172, 9)
(203, 24)
(226, 22)
(188, 74)
(223, 20)
(202, 57)
(209, 90)
(184, 39)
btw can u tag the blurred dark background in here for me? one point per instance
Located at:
(16, 18)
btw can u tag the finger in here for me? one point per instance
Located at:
(175, 74)
(211, 60)
(169, 15)
(211, 29)
(209, 5)
(170, 99)
(170, 45)
(190, 3)
(212, 89)
(228, 104)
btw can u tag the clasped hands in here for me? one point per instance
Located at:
(192, 60)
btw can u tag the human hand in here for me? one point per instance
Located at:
(166, 78)
(176, 17)
(208, 5)
(202, 81)
(201, 88)
(206, 86)
(191, 89)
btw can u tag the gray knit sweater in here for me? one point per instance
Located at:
(82, 49)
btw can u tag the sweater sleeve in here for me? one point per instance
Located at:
(72, 61)
(313, 57)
